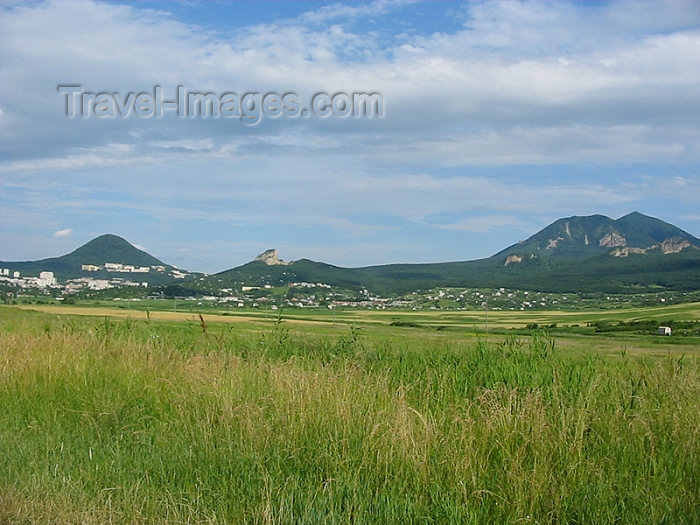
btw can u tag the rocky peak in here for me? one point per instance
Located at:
(270, 258)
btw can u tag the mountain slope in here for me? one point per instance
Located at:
(103, 249)
(593, 253)
(110, 248)
(580, 237)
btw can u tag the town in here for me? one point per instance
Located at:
(47, 283)
(303, 295)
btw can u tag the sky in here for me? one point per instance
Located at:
(497, 119)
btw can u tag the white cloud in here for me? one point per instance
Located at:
(484, 223)
(518, 75)
(63, 233)
(344, 12)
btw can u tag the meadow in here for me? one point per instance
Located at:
(345, 417)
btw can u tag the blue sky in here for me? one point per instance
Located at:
(500, 117)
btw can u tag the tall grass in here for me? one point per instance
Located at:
(126, 422)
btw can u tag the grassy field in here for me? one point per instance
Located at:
(428, 318)
(339, 417)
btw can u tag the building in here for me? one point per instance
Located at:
(46, 279)
(114, 267)
(664, 330)
(99, 284)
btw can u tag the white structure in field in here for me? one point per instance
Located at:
(664, 330)
(15, 275)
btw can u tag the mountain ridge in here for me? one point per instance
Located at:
(124, 260)
(549, 260)
(632, 252)
(591, 235)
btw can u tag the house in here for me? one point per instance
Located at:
(664, 330)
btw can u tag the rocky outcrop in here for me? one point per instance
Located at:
(511, 259)
(670, 245)
(612, 240)
(553, 242)
(270, 258)
(674, 245)
(626, 250)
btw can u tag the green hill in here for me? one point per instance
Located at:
(103, 249)
(593, 253)
(111, 248)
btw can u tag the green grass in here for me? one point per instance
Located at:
(128, 421)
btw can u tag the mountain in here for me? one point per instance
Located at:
(591, 254)
(270, 258)
(594, 253)
(105, 257)
(110, 248)
(580, 237)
